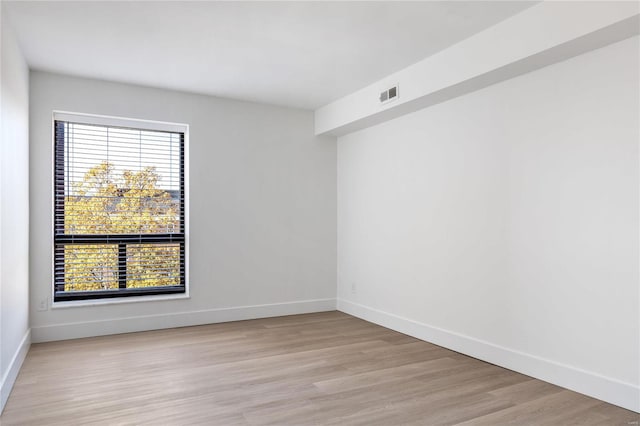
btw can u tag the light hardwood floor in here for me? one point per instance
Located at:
(326, 368)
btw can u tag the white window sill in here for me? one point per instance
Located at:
(117, 301)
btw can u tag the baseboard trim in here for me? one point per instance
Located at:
(610, 390)
(178, 319)
(14, 368)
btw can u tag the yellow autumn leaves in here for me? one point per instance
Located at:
(107, 202)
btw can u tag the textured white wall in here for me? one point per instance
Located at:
(14, 210)
(509, 215)
(262, 206)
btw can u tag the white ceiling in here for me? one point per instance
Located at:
(298, 54)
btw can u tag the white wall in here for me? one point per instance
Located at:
(262, 208)
(14, 210)
(504, 223)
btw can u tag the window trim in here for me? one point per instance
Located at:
(92, 298)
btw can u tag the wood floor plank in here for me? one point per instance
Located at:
(529, 390)
(315, 369)
(555, 409)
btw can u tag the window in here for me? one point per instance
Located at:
(119, 208)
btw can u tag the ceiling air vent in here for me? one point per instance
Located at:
(391, 94)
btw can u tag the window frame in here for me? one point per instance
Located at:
(93, 297)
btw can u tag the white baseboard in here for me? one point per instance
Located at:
(179, 319)
(14, 368)
(610, 390)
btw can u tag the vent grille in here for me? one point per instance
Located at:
(391, 94)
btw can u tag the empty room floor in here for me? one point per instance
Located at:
(324, 368)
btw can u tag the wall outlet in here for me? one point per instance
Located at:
(43, 305)
(353, 287)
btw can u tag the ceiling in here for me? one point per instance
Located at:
(297, 54)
